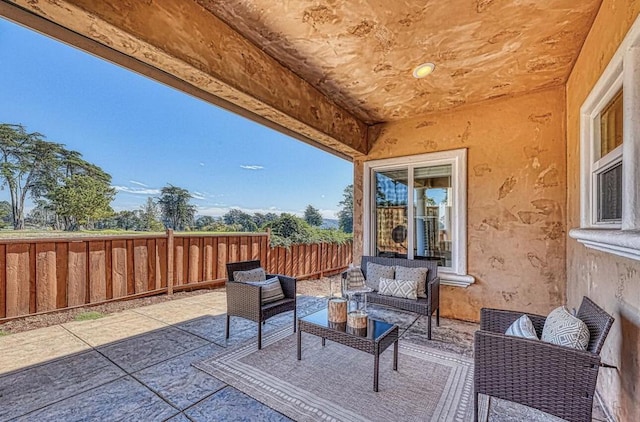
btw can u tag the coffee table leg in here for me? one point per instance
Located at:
(376, 367)
(299, 344)
(395, 355)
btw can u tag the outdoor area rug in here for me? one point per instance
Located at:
(335, 382)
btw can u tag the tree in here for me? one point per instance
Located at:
(44, 215)
(81, 200)
(5, 214)
(204, 222)
(177, 212)
(243, 221)
(31, 165)
(149, 216)
(345, 215)
(290, 227)
(128, 220)
(312, 216)
(262, 219)
(26, 161)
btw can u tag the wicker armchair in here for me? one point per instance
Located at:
(244, 300)
(554, 379)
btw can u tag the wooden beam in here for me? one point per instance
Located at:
(181, 44)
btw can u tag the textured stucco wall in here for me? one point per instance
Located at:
(516, 196)
(612, 282)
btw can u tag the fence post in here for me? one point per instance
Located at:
(170, 262)
(320, 260)
(267, 264)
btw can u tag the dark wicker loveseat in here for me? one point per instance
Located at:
(421, 305)
(555, 379)
(244, 300)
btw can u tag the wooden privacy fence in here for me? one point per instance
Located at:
(43, 275)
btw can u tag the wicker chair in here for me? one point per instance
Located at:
(244, 300)
(554, 379)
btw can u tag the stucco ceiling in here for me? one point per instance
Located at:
(360, 53)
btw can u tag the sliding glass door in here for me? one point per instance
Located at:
(432, 204)
(391, 213)
(415, 208)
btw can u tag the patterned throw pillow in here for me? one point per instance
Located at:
(564, 329)
(355, 279)
(375, 272)
(271, 289)
(522, 327)
(398, 288)
(257, 274)
(418, 274)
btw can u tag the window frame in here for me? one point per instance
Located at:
(591, 165)
(623, 71)
(456, 275)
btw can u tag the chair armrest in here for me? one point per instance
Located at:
(243, 300)
(288, 284)
(498, 320)
(237, 288)
(433, 293)
(512, 368)
(343, 283)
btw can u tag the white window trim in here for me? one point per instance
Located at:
(590, 165)
(457, 274)
(622, 71)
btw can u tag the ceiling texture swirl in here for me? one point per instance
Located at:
(361, 53)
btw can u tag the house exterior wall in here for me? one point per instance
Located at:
(611, 281)
(516, 196)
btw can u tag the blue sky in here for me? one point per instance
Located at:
(147, 135)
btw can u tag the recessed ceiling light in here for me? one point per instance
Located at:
(424, 70)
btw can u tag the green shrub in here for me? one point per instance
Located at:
(89, 315)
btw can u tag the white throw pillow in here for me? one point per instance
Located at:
(377, 271)
(398, 288)
(419, 274)
(271, 289)
(564, 329)
(522, 327)
(257, 274)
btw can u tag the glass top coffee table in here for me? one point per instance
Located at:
(378, 337)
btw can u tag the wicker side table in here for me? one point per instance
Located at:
(380, 335)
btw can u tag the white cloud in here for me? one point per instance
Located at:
(201, 164)
(133, 182)
(197, 195)
(137, 191)
(251, 167)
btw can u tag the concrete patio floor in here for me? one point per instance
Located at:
(136, 364)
